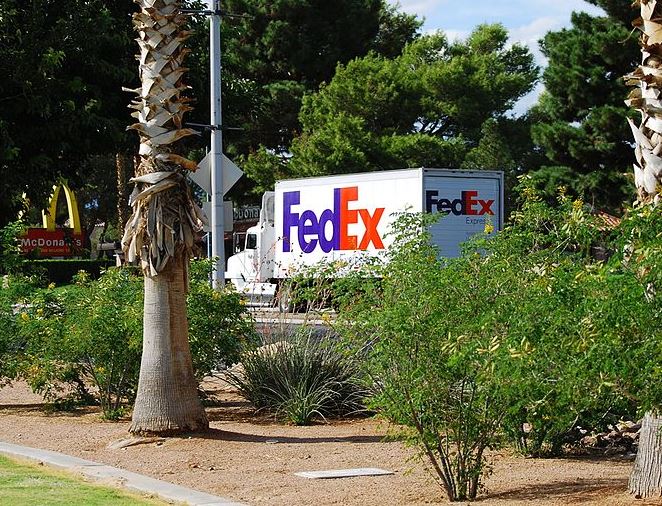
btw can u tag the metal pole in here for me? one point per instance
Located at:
(217, 225)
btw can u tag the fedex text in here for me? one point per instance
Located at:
(312, 230)
(467, 205)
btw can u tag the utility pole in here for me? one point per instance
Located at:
(216, 155)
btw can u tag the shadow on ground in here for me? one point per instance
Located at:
(225, 435)
(572, 492)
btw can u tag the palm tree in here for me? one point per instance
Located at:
(162, 229)
(646, 478)
(647, 98)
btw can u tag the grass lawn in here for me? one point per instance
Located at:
(26, 484)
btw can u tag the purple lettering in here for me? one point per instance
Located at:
(290, 219)
(465, 205)
(327, 230)
(308, 226)
(326, 244)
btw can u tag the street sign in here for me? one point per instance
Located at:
(227, 216)
(202, 176)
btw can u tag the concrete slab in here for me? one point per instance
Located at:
(127, 479)
(344, 473)
(47, 457)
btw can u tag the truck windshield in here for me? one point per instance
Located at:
(251, 241)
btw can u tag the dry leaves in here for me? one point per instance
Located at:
(647, 99)
(165, 219)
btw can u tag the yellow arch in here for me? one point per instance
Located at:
(48, 217)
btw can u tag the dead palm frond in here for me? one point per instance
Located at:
(647, 99)
(165, 218)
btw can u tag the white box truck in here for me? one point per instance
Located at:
(305, 221)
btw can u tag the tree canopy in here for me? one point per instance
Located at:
(66, 62)
(276, 52)
(317, 87)
(581, 118)
(61, 101)
(424, 107)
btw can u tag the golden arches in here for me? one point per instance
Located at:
(48, 216)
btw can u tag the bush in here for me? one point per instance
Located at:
(529, 328)
(432, 360)
(88, 332)
(41, 357)
(15, 291)
(328, 284)
(104, 334)
(219, 322)
(588, 328)
(300, 377)
(62, 272)
(633, 317)
(11, 260)
(63, 339)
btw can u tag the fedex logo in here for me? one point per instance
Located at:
(312, 230)
(467, 204)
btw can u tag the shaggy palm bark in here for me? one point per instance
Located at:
(647, 99)
(646, 477)
(162, 229)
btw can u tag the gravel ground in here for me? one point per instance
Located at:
(252, 459)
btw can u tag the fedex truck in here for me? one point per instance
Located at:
(305, 221)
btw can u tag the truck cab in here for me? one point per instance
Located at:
(251, 270)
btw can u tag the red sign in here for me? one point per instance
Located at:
(61, 242)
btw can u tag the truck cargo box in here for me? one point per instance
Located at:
(335, 217)
(345, 217)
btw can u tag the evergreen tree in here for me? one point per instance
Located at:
(506, 145)
(581, 118)
(426, 107)
(276, 52)
(61, 97)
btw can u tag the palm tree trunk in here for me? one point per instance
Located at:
(646, 480)
(167, 399)
(161, 231)
(646, 477)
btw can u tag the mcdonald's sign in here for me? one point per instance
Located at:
(51, 241)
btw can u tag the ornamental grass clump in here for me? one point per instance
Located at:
(300, 378)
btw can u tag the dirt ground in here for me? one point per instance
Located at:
(253, 460)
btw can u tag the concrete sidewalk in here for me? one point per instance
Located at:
(127, 479)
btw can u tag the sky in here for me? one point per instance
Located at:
(527, 21)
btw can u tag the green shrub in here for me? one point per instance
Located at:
(634, 316)
(15, 291)
(42, 359)
(64, 339)
(104, 334)
(591, 334)
(9, 345)
(432, 360)
(528, 329)
(63, 271)
(85, 333)
(300, 377)
(219, 322)
(11, 260)
(328, 284)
